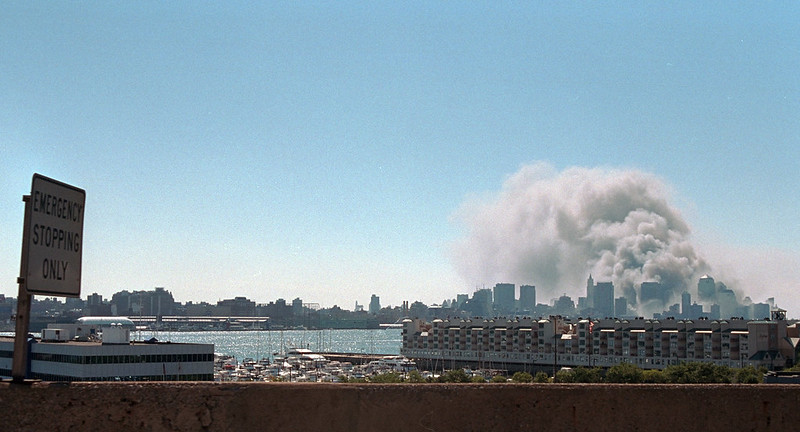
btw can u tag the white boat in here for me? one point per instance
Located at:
(393, 363)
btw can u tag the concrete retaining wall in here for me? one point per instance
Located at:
(396, 407)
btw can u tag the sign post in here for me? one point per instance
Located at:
(52, 248)
(19, 362)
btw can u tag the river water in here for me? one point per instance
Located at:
(263, 343)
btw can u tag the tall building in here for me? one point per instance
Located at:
(600, 297)
(686, 304)
(481, 303)
(527, 297)
(374, 304)
(706, 289)
(653, 292)
(237, 306)
(297, 306)
(603, 302)
(158, 302)
(715, 311)
(95, 305)
(504, 298)
(760, 311)
(162, 302)
(727, 301)
(620, 307)
(564, 306)
(94, 300)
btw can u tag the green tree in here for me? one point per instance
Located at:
(624, 373)
(749, 375)
(455, 376)
(388, 377)
(522, 377)
(541, 377)
(478, 379)
(710, 373)
(415, 377)
(587, 375)
(677, 374)
(565, 375)
(698, 373)
(653, 376)
(499, 379)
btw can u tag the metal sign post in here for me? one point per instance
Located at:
(52, 249)
(19, 363)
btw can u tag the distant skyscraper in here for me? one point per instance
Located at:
(620, 307)
(481, 303)
(760, 311)
(727, 301)
(600, 297)
(461, 300)
(695, 311)
(652, 292)
(686, 304)
(297, 306)
(374, 305)
(715, 311)
(504, 298)
(94, 299)
(527, 297)
(604, 298)
(706, 289)
(564, 306)
(674, 310)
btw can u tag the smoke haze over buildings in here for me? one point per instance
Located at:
(552, 229)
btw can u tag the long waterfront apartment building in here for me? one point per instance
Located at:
(547, 343)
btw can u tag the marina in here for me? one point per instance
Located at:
(265, 343)
(304, 365)
(295, 355)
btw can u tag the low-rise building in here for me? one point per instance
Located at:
(527, 344)
(94, 351)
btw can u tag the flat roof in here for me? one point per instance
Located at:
(99, 343)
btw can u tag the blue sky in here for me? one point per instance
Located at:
(320, 150)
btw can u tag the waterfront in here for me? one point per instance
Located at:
(257, 344)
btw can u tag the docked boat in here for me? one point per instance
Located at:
(399, 364)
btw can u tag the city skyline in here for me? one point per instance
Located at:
(332, 152)
(711, 299)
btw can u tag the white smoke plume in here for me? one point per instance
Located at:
(552, 229)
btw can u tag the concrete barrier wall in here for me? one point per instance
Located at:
(396, 407)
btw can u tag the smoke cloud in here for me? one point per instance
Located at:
(552, 229)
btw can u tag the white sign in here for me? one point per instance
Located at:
(55, 238)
